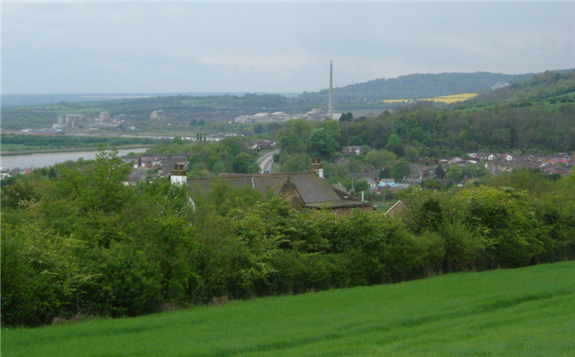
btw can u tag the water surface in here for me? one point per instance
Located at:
(50, 159)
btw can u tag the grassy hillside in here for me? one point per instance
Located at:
(522, 312)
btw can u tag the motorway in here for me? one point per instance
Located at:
(266, 161)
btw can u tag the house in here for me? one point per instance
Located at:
(373, 175)
(280, 116)
(447, 182)
(393, 186)
(135, 161)
(259, 144)
(355, 150)
(395, 209)
(242, 119)
(537, 158)
(137, 176)
(450, 160)
(371, 182)
(420, 171)
(261, 118)
(499, 166)
(170, 161)
(368, 168)
(482, 156)
(531, 165)
(507, 157)
(250, 144)
(556, 170)
(315, 114)
(412, 181)
(427, 161)
(156, 114)
(301, 189)
(341, 161)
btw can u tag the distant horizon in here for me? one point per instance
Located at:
(146, 95)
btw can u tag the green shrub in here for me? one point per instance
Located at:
(503, 218)
(126, 282)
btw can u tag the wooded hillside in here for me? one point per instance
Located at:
(415, 86)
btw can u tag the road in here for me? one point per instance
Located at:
(266, 161)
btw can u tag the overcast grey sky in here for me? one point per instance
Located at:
(145, 47)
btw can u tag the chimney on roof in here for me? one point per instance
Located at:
(179, 175)
(316, 167)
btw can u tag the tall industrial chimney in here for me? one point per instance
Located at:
(330, 89)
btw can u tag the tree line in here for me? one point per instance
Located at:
(76, 241)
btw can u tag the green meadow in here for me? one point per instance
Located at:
(522, 312)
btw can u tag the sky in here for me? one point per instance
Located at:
(169, 47)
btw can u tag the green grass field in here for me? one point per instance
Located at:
(522, 312)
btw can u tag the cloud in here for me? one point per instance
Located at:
(278, 47)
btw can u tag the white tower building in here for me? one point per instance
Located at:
(330, 114)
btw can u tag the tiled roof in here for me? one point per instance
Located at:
(314, 192)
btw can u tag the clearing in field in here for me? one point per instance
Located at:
(522, 312)
(445, 99)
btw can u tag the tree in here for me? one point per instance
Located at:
(258, 129)
(462, 140)
(322, 143)
(380, 158)
(243, 163)
(399, 170)
(100, 187)
(360, 185)
(470, 170)
(355, 165)
(513, 138)
(439, 172)
(218, 168)
(411, 153)
(431, 183)
(429, 217)
(346, 117)
(295, 163)
(395, 145)
(455, 173)
(52, 173)
(504, 219)
(290, 143)
(385, 173)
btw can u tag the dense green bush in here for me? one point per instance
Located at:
(83, 243)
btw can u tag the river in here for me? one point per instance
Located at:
(43, 160)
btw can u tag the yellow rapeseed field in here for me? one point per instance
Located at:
(396, 100)
(445, 99)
